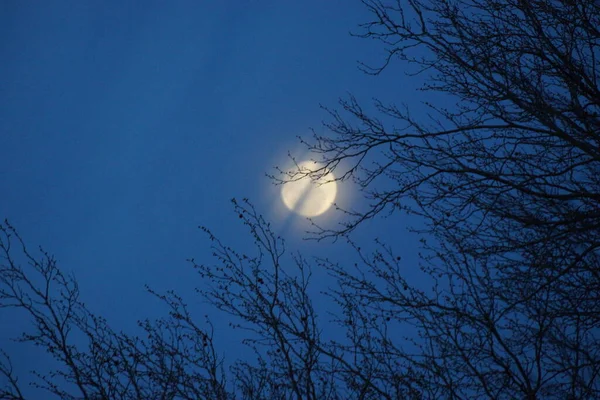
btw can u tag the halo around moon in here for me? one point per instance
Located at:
(307, 197)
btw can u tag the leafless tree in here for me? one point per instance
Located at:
(474, 340)
(504, 170)
(264, 294)
(176, 359)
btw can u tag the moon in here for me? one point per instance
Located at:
(307, 197)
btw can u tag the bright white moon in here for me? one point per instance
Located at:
(309, 198)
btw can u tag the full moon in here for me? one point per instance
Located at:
(309, 198)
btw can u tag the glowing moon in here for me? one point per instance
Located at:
(309, 198)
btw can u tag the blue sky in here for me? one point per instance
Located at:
(126, 124)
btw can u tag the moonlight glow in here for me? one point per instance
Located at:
(309, 198)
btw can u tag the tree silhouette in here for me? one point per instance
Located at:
(175, 359)
(506, 178)
(505, 174)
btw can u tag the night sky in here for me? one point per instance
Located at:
(124, 125)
